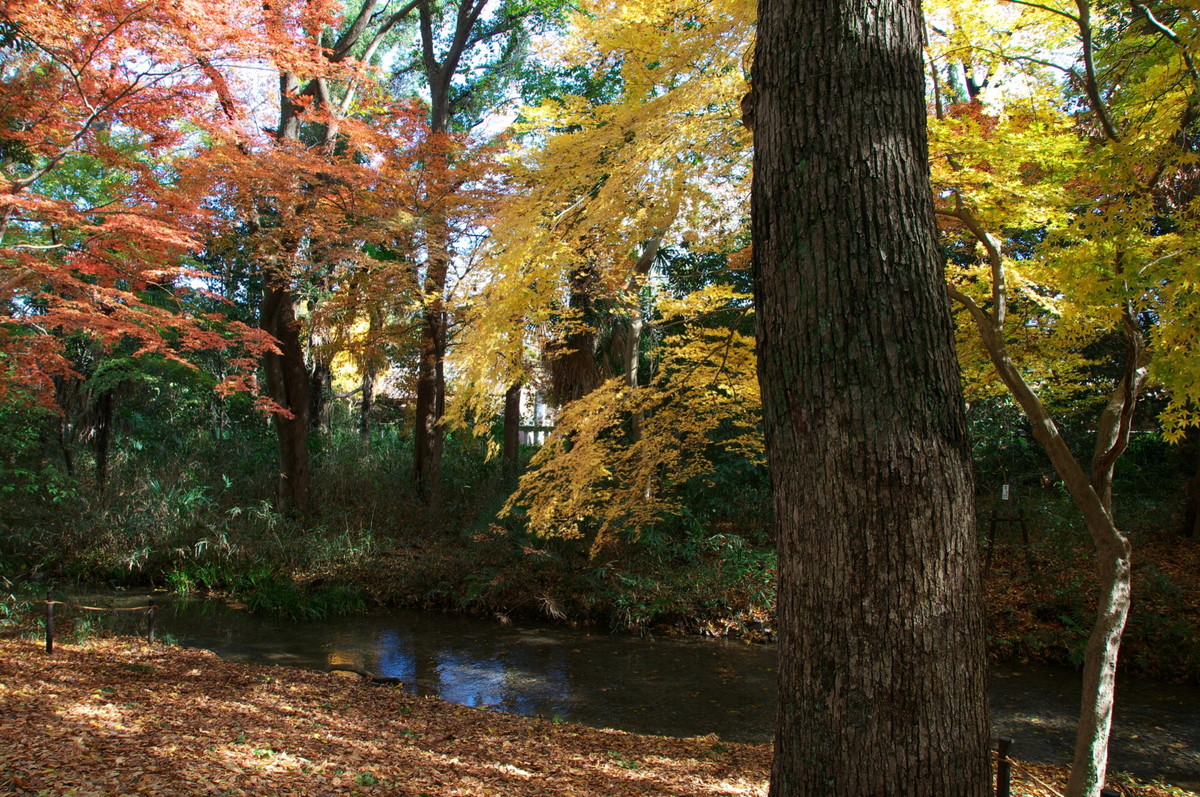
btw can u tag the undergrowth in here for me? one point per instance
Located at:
(191, 513)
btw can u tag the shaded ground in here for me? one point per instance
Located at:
(115, 717)
(1041, 601)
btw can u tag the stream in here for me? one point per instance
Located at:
(665, 686)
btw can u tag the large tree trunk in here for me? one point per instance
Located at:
(287, 385)
(882, 675)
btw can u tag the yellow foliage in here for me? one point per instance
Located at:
(1093, 209)
(594, 478)
(592, 182)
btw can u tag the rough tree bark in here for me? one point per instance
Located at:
(287, 385)
(882, 676)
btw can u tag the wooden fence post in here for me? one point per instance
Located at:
(1004, 770)
(150, 622)
(49, 623)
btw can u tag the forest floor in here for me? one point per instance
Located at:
(1041, 604)
(116, 717)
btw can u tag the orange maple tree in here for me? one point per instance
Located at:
(97, 101)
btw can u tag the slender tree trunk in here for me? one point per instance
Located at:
(1112, 565)
(287, 376)
(882, 675)
(287, 385)
(64, 446)
(1191, 507)
(286, 372)
(63, 389)
(365, 402)
(103, 438)
(320, 380)
(637, 324)
(511, 456)
(431, 380)
(370, 369)
(431, 387)
(1116, 421)
(320, 390)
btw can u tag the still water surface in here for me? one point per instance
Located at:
(667, 686)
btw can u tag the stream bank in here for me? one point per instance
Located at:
(679, 687)
(116, 716)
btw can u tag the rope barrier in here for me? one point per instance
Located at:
(1035, 779)
(50, 603)
(98, 608)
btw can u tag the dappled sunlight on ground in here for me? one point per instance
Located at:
(116, 716)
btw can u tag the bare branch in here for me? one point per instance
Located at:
(1047, 9)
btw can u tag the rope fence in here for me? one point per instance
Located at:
(1005, 767)
(149, 609)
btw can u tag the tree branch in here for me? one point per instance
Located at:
(1047, 9)
(1089, 64)
(995, 257)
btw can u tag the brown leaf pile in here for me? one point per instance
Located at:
(117, 717)
(114, 717)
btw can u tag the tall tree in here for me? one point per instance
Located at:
(882, 678)
(316, 97)
(465, 54)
